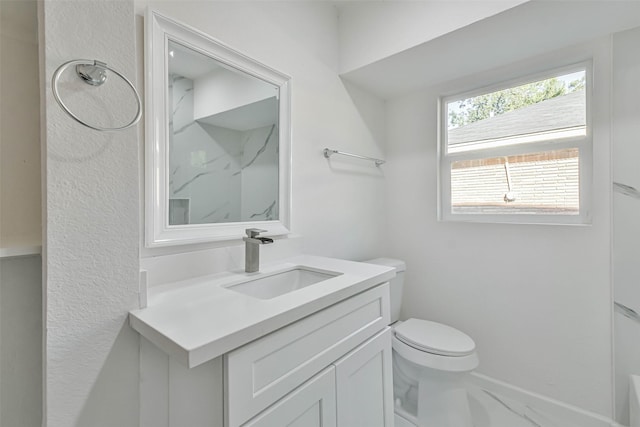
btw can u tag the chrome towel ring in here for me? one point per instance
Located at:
(93, 73)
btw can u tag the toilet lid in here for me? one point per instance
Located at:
(435, 338)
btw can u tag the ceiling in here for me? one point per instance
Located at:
(530, 29)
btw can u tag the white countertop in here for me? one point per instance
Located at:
(198, 319)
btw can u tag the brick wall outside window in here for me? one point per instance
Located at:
(545, 182)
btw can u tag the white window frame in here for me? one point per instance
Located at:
(584, 144)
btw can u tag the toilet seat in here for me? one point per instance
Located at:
(413, 344)
(435, 338)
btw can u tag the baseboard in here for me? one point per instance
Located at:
(564, 413)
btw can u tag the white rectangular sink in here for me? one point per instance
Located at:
(283, 282)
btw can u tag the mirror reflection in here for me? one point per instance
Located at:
(223, 142)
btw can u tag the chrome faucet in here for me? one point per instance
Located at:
(252, 249)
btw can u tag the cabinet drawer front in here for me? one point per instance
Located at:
(263, 371)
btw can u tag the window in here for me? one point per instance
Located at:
(519, 152)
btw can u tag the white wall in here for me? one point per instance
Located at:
(90, 258)
(337, 206)
(19, 126)
(535, 298)
(373, 30)
(20, 213)
(626, 211)
(21, 341)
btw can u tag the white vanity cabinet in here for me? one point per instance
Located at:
(319, 355)
(332, 368)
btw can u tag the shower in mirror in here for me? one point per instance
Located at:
(223, 142)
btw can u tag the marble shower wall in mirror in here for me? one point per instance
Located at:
(223, 142)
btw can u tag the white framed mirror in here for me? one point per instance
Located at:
(217, 151)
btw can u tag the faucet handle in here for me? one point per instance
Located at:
(254, 232)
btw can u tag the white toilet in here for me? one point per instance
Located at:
(430, 361)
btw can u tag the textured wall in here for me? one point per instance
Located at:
(91, 258)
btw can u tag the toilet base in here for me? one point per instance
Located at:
(427, 397)
(443, 402)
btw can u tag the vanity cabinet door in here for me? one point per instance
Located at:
(313, 404)
(364, 384)
(267, 369)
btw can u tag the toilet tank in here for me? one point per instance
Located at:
(396, 285)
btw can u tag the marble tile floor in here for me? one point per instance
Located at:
(491, 410)
(488, 409)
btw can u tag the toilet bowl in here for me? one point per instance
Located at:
(430, 363)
